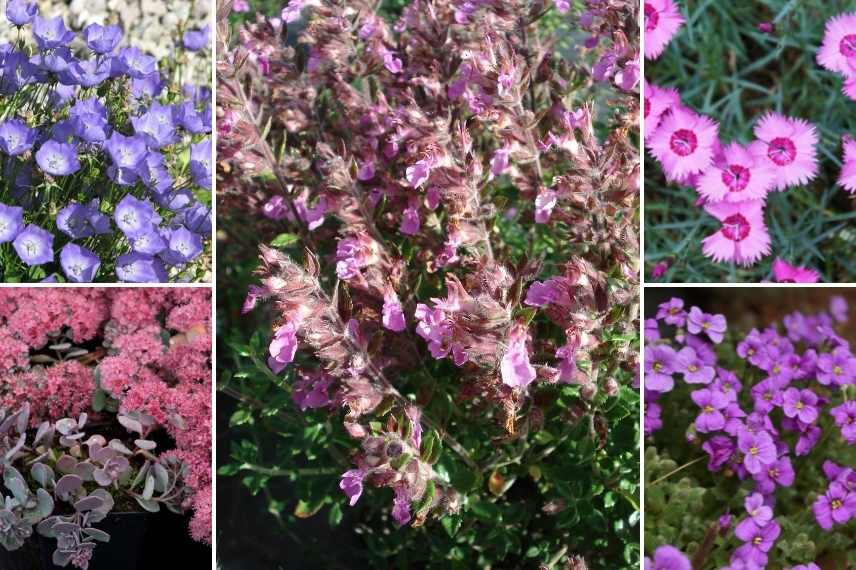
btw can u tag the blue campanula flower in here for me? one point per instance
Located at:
(156, 125)
(136, 63)
(183, 246)
(135, 217)
(51, 33)
(195, 40)
(89, 73)
(11, 222)
(16, 137)
(200, 163)
(79, 221)
(189, 118)
(140, 268)
(150, 242)
(34, 245)
(126, 154)
(79, 264)
(20, 12)
(102, 39)
(154, 173)
(58, 159)
(149, 86)
(197, 218)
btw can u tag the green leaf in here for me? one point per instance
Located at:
(284, 240)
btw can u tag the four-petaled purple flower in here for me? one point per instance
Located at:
(759, 513)
(693, 367)
(845, 419)
(711, 403)
(713, 326)
(836, 506)
(800, 404)
(758, 450)
(667, 557)
(660, 362)
(672, 312)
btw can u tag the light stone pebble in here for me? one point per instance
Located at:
(150, 25)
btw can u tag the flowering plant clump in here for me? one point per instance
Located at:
(751, 141)
(447, 201)
(137, 357)
(106, 156)
(768, 441)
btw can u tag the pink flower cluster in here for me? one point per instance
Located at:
(153, 353)
(732, 179)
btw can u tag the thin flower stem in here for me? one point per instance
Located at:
(673, 471)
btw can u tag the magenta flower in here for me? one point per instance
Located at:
(757, 543)
(711, 403)
(837, 367)
(672, 312)
(780, 473)
(713, 326)
(739, 176)
(544, 293)
(760, 516)
(352, 484)
(800, 404)
(847, 178)
(845, 419)
(839, 45)
(743, 238)
(784, 272)
(667, 557)
(758, 449)
(836, 506)
(658, 102)
(788, 147)
(660, 361)
(662, 22)
(515, 367)
(283, 347)
(684, 143)
(393, 316)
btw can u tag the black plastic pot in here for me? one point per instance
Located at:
(126, 530)
(25, 558)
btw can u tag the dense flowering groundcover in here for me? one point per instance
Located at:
(749, 127)
(92, 363)
(751, 447)
(105, 155)
(445, 204)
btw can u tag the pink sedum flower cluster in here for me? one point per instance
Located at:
(149, 349)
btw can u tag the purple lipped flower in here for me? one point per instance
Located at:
(758, 449)
(311, 390)
(11, 222)
(801, 404)
(660, 362)
(195, 40)
(137, 64)
(401, 505)
(836, 506)
(693, 368)
(102, 39)
(711, 403)
(758, 543)
(20, 12)
(672, 312)
(51, 33)
(34, 245)
(393, 315)
(837, 367)
(667, 557)
(157, 126)
(845, 419)
(79, 264)
(283, 347)
(352, 484)
(16, 137)
(134, 216)
(713, 326)
(57, 158)
(200, 163)
(140, 268)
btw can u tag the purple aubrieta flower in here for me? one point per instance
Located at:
(807, 440)
(200, 163)
(780, 473)
(759, 513)
(838, 308)
(758, 450)
(51, 33)
(801, 404)
(653, 416)
(20, 12)
(720, 449)
(140, 268)
(79, 264)
(34, 245)
(667, 557)
(660, 361)
(693, 368)
(845, 419)
(836, 506)
(136, 63)
(752, 348)
(11, 222)
(652, 330)
(837, 367)
(195, 40)
(352, 484)
(713, 326)
(16, 137)
(809, 566)
(134, 216)
(711, 403)
(672, 312)
(767, 395)
(57, 158)
(758, 542)
(102, 39)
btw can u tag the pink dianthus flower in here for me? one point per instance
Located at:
(662, 22)
(743, 237)
(788, 147)
(684, 143)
